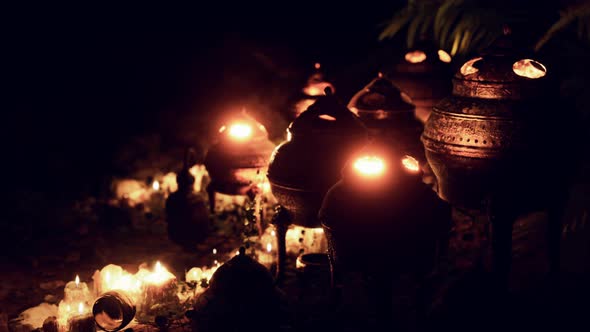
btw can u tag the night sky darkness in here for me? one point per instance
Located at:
(84, 80)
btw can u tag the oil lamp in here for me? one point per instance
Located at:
(389, 113)
(423, 74)
(239, 155)
(242, 288)
(487, 142)
(382, 221)
(316, 84)
(187, 217)
(304, 167)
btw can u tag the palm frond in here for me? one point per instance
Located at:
(579, 14)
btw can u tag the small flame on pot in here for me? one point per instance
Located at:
(529, 68)
(240, 131)
(411, 164)
(156, 185)
(415, 56)
(444, 56)
(370, 166)
(468, 68)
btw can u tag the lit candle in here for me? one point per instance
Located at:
(266, 257)
(76, 291)
(158, 287)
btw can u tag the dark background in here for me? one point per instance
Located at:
(83, 81)
(96, 92)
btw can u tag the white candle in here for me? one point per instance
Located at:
(76, 291)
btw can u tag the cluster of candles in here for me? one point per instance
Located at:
(136, 192)
(157, 285)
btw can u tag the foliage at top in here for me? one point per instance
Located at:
(463, 26)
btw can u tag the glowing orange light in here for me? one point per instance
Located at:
(529, 68)
(268, 247)
(468, 68)
(77, 281)
(159, 276)
(444, 56)
(317, 65)
(370, 166)
(411, 164)
(240, 131)
(156, 185)
(317, 89)
(405, 97)
(415, 56)
(327, 117)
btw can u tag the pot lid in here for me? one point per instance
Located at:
(379, 99)
(241, 274)
(500, 73)
(317, 83)
(327, 116)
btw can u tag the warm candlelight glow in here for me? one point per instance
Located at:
(240, 131)
(317, 89)
(529, 68)
(156, 185)
(317, 65)
(415, 56)
(444, 56)
(303, 105)
(268, 247)
(194, 275)
(411, 164)
(80, 308)
(327, 117)
(159, 276)
(77, 280)
(370, 166)
(468, 68)
(214, 251)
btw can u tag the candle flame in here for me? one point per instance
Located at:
(370, 166)
(415, 56)
(237, 253)
(214, 251)
(529, 68)
(273, 233)
(159, 276)
(317, 65)
(80, 308)
(240, 131)
(444, 56)
(268, 247)
(411, 164)
(77, 280)
(468, 68)
(156, 185)
(107, 277)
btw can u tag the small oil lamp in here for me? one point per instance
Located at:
(381, 220)
(423, 73)
(389, 114)
(187, 217)
(484, 146)
(240, 154)
(315, 87)
(244, 288)
(304, 167)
